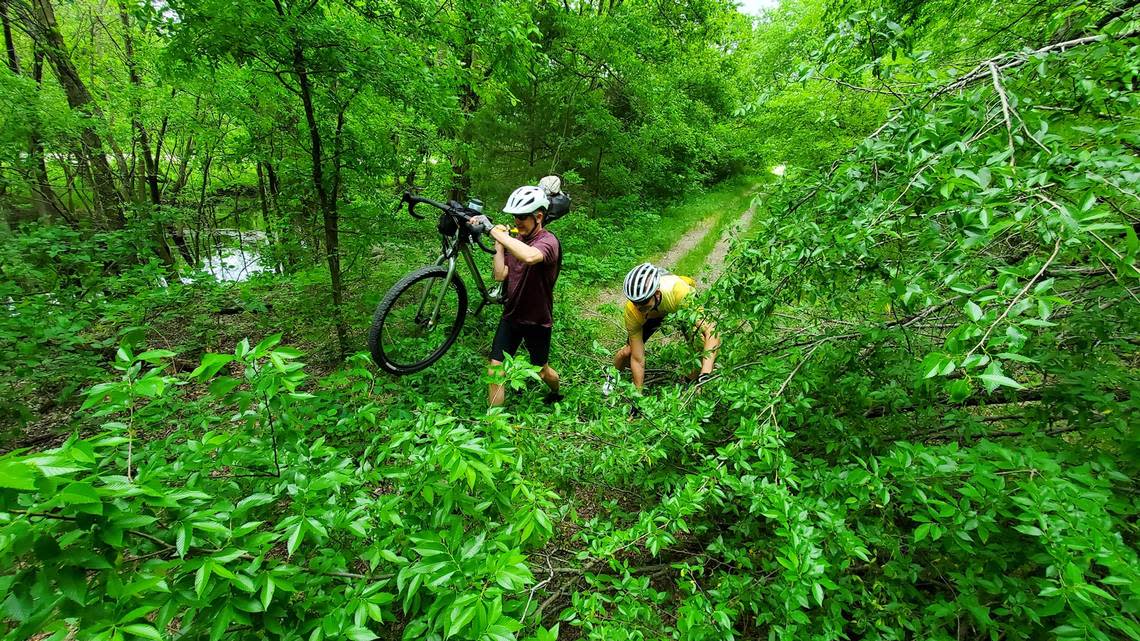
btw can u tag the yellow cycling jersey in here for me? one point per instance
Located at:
(674, 289)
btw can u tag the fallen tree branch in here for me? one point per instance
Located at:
(1004, 108)
(990, 329)
(796, 369)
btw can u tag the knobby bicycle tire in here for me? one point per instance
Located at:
(404, 286)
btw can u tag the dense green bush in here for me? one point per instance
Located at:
(923, 420)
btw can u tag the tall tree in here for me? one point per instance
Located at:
(149, 178)
(39, 22)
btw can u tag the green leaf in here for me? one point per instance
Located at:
(17, 475)
(921, 532)
(142, 630)
(973, 311)
(73, 584)
(360, 634)
(982, 177)
(1010, 356)
(267, 592)
(817, 590)
(78, 493)
(211, 363)
(1031, 530)
(722, 619)
(221, 623)
(182, 539)
(254, 500)
(459, 617)
(1068, 632)
(265, 344)
(201, 579)
(391, 556)
(994, 381)
(295, 537)
(155, 356)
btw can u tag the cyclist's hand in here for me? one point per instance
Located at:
(481, 223)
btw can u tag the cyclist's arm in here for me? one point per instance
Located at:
(637, 358)
(519, 249)
(499, 266)
(712, 344)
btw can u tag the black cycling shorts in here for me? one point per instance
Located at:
(511, 334)
(651, 325)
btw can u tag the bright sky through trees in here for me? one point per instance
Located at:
(756, 7)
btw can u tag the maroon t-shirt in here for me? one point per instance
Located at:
(530, 288)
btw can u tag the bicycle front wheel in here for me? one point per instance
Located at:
(418, 320)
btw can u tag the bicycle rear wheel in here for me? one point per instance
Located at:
(417, 321)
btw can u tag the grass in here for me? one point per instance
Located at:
(726, 203)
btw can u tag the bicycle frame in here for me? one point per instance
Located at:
(452, 247)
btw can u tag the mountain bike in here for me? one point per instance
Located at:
(420, 317)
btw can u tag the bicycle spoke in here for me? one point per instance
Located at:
(410, 334)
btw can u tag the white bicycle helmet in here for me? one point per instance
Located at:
(525, 200)
(641, 282)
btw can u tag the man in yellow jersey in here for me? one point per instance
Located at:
(654, 293)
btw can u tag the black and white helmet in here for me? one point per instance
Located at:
(525, 200)
(641, 282)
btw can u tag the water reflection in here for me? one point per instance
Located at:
(236, 257)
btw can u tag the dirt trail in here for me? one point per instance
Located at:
(714, 264)
(685, 244)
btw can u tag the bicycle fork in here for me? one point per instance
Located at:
(493, 295)
(431, 320)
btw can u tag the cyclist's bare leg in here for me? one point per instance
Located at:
(496, 393)
(550, 377)
(621, 358)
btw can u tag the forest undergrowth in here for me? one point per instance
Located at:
(922, 423)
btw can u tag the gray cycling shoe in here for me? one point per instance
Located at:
(610, 384)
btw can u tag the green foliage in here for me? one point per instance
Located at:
(221, 520)
(921, 423)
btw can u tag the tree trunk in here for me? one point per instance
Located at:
(273, 183)
(150, 178)
(327, 203)
(183, 171)
(469, 102)
(272, 234)
(45, 194)
(39, 18)
(44, 199)
(9, 43)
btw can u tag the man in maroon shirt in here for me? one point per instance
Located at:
(530, 265)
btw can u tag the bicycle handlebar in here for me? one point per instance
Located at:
(454, 210)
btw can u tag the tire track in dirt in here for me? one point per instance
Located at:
(714, 264)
